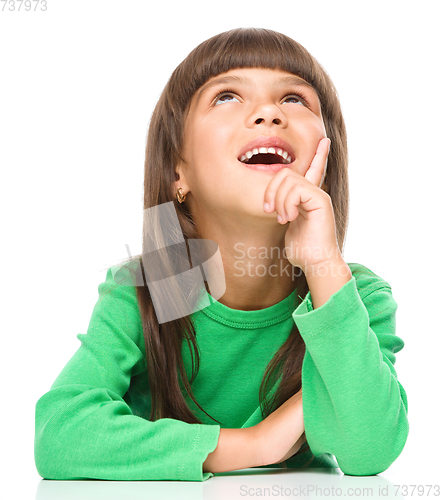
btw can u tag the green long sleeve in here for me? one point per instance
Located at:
(354, 406)
(85, 429)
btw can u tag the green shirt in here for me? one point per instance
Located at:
(94, 421)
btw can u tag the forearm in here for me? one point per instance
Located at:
(237, 449)
(326, 279)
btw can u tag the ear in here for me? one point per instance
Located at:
(180, 179)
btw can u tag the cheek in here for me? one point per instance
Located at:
(321, 130)
(309, 129)
(311, 134)
(317, 129)
(212, 142)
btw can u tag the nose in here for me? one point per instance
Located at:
(269, 114)
(277, 121)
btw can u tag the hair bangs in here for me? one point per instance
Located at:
(244, 48)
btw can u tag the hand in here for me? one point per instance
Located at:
(281, 434)
(311, 235)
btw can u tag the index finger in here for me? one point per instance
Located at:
(316, 172)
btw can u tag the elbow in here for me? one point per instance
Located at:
(374, 457)
(368, 468)
(365, 464)
(45, 469)
(44, 458)
(43, 453)
(49, 457)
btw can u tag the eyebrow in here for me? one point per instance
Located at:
(281, 82)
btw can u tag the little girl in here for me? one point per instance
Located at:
(294, 347)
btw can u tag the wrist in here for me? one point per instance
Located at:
(330, 268)
(326, 279)
(236, 449)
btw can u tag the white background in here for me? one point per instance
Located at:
(78, 85)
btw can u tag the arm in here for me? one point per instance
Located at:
(85, 429)
(236, 449)
(354, 406)
(273, 440)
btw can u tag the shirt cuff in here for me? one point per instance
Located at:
(345, 295)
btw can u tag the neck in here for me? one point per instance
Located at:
(257, 272)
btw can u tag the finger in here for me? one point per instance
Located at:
(317, 168)
(273, 186)
(301, 199)
(286, 186)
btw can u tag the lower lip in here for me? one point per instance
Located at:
(274, 167)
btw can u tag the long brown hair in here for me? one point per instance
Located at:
(237, 48)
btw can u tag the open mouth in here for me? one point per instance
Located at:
(266, 159)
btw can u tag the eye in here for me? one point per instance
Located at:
(225, 94)
(297, 97)
(222, 96)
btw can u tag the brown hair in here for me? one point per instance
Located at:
(237, 48)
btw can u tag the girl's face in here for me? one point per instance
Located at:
(224, 116)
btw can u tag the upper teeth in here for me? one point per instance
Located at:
(280, 152)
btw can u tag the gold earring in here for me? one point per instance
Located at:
(179, 195)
